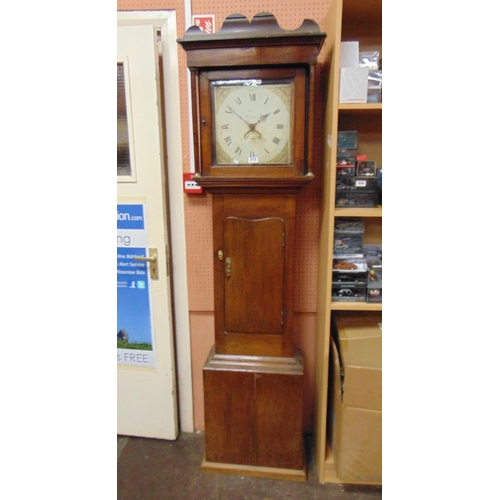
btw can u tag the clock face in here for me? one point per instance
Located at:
(252, 122)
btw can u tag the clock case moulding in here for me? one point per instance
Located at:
(256, 49)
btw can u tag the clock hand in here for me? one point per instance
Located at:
(263, 118)
(240, 117)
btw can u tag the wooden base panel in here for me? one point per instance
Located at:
(254, 411)
(254, 471)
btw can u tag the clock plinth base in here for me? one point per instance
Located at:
(254, 471)
(254, 415)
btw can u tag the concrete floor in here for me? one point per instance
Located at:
(152, 469)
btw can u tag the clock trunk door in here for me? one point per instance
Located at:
(254, 269)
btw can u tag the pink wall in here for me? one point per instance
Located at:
(198, 208)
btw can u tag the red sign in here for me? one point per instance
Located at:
(206, 22)
(190, 185)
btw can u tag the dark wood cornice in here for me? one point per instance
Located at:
(263, 31)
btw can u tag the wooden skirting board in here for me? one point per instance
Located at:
(251, 470)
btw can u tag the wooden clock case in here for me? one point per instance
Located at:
(253, 377)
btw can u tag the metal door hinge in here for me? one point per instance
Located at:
(283, 314)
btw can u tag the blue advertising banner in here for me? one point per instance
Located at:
(135, 338)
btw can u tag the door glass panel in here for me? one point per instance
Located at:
(123, 146)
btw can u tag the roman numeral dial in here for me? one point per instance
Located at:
(252, 122)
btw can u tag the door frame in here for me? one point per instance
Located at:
(165, 20)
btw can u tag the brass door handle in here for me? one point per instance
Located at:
(153, 263)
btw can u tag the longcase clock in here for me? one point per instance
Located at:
(252, 101)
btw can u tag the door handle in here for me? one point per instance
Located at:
(153, 263)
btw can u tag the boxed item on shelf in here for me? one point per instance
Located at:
(356, 199)
(369, 59)
(366, 168)
(348, 292)
(343, 161)
(353, 85)
(346, 170)
(373, 254)
(349, 225)
(345, 245)
(374, 92)
(355, 411)
(346, 153)
(357, 184)
(350, 270)
(374, 285)
(349, 54)
(349, 280)
(347, 139)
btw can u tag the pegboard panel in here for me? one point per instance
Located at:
(308, 215)
(198, 208)
(289, 14)
(199, 248)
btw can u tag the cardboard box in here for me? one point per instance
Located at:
(355, 426)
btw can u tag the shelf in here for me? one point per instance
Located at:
(358, 212)
(356, 306)
(368, 107)
(346, 20)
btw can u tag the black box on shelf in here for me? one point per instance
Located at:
(347, 139)
(356, 199)
(348, 292)
(366, 184)
(346, 170)
(366, 169)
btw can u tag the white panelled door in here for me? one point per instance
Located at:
(147, 400)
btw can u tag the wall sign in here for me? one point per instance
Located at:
(134, 325)
(206, 22)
